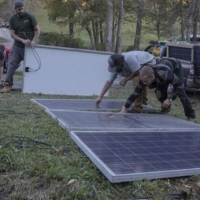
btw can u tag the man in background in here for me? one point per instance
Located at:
(25, 31)
(127, 65)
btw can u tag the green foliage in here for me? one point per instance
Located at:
(64, 40)
(129, 48)
(100, 47)
(161, 16)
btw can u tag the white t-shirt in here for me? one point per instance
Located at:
(133, 60)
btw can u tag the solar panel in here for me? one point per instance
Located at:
(78, 120)
(128, 156)
(180, 52)
(197, 61)
(84, 104)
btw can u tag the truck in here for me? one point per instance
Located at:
(188, 54)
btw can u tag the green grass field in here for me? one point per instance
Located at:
(38, 159)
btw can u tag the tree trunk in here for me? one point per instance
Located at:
(195, 23)
(95, 28)
(71, 24)
(119, 29)
(86, 26)
(182, 20)
(101, 32)
(109, 27)
(139, 24)
(190, 19)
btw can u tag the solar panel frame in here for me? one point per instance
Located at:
(169, 165)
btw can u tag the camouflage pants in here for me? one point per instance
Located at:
(142, 98)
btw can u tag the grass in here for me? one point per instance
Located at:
(38, 159)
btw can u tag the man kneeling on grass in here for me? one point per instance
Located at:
(167, 78)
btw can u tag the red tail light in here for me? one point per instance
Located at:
(191, 73)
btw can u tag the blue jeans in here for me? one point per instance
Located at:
(15, 57)
(189, 112)
(180, 92)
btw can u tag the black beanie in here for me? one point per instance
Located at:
(113, 61)
(116, 58)
(19, 4)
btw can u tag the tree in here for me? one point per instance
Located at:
(119, 28)
(6, 9)
(161, 15)
(109, 26)
(190, 19)
(61, 12)
(139, 24)
(181, 19)
(196, 17)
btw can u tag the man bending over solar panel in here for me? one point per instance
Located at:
(167, 78)
(127, 65)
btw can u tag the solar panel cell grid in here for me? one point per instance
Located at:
(180, 53)
(145, 154)
(123, 151)
(75, 120)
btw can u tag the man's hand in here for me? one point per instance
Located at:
(166, 104)
(32, 44)
(123, 110)
(26, 42)
(29, 43)
(123, 82)
(98, 101)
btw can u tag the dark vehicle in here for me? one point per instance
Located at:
(188, 54)
(7, 25)
(3, 24)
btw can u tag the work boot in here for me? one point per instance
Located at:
(191, 119)
(6, 88)
(166, 110)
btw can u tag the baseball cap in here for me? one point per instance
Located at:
(113, 62)
(19, 4)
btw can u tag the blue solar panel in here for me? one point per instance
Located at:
(197, 61)
(80, 104)
(180, 53)
(128, 156)
(84, 104)
(78, 120)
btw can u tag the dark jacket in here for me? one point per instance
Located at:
(165, 74)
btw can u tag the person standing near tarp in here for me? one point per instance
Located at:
(2, 57)
(167, 79)
(127, 65)
(25, 30)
